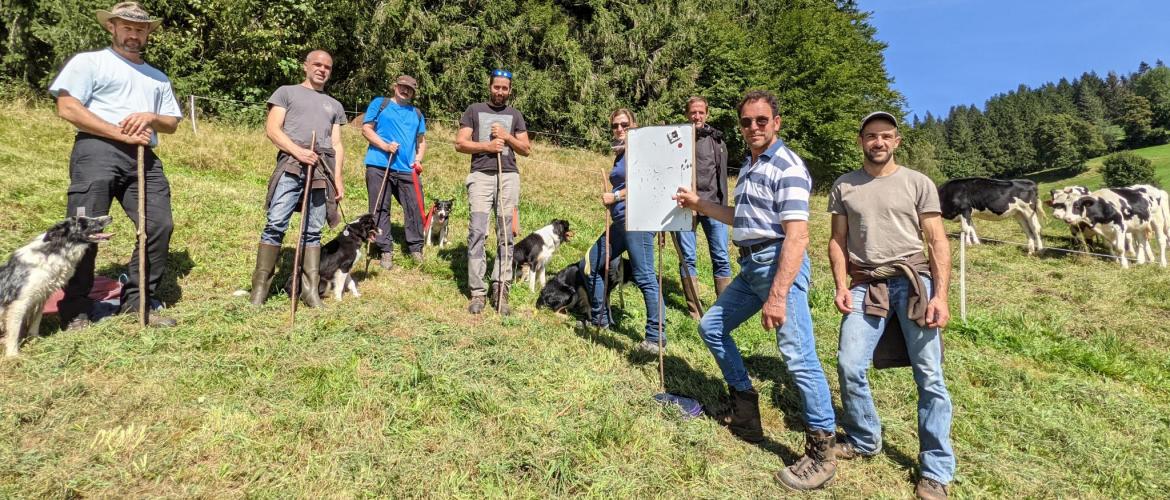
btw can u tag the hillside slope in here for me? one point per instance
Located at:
(1059, 378)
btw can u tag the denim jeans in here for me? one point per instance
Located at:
(640, 245)
(716, 243)
(743, 299)
(286, 198)
(859, 336)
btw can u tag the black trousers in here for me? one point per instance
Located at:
(399, 186)
(100, 171)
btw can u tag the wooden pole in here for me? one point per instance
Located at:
(661, 317)
(963, 278)
(191, 106)
(500, 238)
(143, 280)
(605, 288)
(378, 207)
(296, 270)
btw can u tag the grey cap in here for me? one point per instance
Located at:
(876, 115)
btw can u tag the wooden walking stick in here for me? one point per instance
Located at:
(605, 287)
(378, 208)
(500, 238)
(296, 270)
(143, 281)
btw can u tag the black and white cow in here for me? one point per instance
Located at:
(1124, 217)
(993, 199)
(1061, 204)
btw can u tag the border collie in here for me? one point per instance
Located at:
(531, 254)
(436, 222)
(39, 268)
(339, 255)
(566, 291)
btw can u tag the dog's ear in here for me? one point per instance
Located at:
(59, 230)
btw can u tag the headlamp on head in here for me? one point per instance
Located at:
(502, 72)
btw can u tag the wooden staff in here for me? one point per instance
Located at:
(378, 207)
(605, 288)
(500, 238)
(143, 281)
(296, 270)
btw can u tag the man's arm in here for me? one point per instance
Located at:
(376, 140)
(690, 199)
(137, 122)
(273, 129)
(339, 161)
(775, 309)
(464, 144)
(937, 311)
(838, 242)
(421, 150)
(71, 110)
(520, 143)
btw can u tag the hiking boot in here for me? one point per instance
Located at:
(311, 277)
(648, 347)
(266, 256)
(929, 489)
(690, 286)
(721, 284)
(744, 418)
(417, 257)
(386, 262)
(476, 304)
(844, 450)
(816, 468)
(502, 295)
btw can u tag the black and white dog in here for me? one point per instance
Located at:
(566, 291)
(437, 220)
(531, 254)
(339, 255)
(38, 269)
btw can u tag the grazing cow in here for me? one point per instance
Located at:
(1061, 203)
(1124, 217)
(1159, 199)
(993, 199)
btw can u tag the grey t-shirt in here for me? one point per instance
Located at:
(480, 117)
(883, 213)
(308, 111)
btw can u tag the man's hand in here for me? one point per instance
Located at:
(608, 198)
(392, 147)
(938, 314)
(340, 188)
(498, 132)
(142, 138)
(844, 300)
(417, 166)
(774, 313)
(305, 156)
(135, 123)
(686, 198)
(495, 146)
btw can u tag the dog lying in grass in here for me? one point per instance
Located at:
(531, 254)
(38, 269)
(566, 292)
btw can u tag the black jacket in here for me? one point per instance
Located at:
(709, 137)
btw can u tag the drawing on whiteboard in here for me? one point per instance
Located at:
(655, 168)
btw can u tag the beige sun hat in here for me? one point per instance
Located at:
(129, 11)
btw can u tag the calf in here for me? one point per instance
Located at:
(1123, 217)
(1061, 204)
(993, 199)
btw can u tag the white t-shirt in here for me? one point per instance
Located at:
(112, 87)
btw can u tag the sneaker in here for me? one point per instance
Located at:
(929, 489)
(416, 256)
(79, 322)
(476, 304)
(648, 347)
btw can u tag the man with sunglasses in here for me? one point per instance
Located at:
(492, 132)
(396, 130)
(770, 229)
(880, 214)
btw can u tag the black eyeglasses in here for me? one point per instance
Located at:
(619, 125)
(760, 121)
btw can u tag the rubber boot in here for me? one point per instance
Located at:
(816, 468)
(311, 276)
(266, 257)
(690, 286)
(721, 284)
(744, 419)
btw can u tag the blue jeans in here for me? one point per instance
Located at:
(286, 199)
(716, 243)
(859, 336)
(742, 299)
(640, 245)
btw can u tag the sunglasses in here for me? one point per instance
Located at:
(619, 125)
(760, 121)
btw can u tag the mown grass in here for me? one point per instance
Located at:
(1058, 377)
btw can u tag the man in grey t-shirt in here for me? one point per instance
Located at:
(297, 113)
(879, 213)
(492, 133)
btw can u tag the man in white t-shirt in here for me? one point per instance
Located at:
(117, 102)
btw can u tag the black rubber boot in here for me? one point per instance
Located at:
(744, 419)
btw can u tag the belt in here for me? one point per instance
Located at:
(747, 251)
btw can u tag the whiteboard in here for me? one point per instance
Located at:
(659, 159)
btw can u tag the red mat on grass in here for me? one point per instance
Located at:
(103, 289)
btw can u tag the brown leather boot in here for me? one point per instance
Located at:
(816, 468)
(721, 284)
(311, 276)
(690, 286)
(744, 419)
(502, 305)
(266, 256)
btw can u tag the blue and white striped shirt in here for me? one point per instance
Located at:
(772, 190)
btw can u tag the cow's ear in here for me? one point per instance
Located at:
(1048, 203)
(1088, 201)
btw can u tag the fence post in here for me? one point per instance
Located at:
(191, 105)
(963, 278)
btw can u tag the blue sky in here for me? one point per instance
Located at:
(948, 52)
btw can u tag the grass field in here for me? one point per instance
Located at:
(1059, 378)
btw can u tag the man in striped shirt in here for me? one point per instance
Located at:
(770, 228)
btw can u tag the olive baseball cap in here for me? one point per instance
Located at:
(407, 80)
(877, 115)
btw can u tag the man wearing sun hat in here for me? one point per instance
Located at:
(492, 132)
(395, 129)
(117, 102)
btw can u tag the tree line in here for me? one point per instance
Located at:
(1054, 126)
(574, 60)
